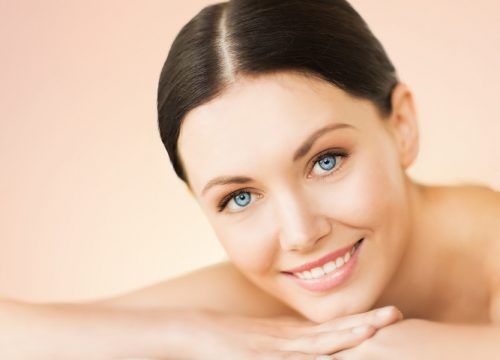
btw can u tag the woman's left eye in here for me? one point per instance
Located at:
(326, 163)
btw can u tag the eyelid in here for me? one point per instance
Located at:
(336, 152)
(222, 204)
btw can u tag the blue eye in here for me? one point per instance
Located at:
(236, 201)
(242, 199)
(325, 163)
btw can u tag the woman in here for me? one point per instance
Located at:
(289, 125)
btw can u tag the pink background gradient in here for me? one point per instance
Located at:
(90, 206)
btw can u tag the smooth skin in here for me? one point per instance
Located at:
(429, 251)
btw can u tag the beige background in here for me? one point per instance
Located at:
(89, 205)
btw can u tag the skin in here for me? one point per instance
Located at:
(427, 249)
(431, 251)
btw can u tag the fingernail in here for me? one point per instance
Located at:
(360, 329)
(385, 312)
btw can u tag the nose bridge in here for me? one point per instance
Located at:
(300, 224)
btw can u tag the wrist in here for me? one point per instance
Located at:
(140, 334)
(168, 334)
(92, 332)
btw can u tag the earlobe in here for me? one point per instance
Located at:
(403, 121)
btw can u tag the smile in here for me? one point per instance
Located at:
(327, 272)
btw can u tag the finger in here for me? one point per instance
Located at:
(289, 327)
(284, 327)
(377, 318)
(286, 320)
(286, 355)
(280, 355)
(326, 342)
(325, 357)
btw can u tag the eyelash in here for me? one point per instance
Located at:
(335, 153)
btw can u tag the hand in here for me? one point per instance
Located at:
(245, 338)
(408, 339)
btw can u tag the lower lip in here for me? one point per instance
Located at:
(330, 280)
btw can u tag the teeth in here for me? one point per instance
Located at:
(317, 272)
(330, 266)
(339, 262)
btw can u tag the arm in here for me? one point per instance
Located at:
(138, 325)
(219, 287)
(133, 324)
(109, 328)
(71, 331)
(68, 331)
(414, 339)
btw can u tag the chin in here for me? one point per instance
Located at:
(356, 298)
(331, 309)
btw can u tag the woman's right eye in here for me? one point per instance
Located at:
(236, 201)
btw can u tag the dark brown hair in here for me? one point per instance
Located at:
(323, 38)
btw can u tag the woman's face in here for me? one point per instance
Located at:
(289, 169)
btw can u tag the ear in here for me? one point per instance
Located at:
(402, 124)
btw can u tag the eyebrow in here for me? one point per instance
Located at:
(299, 153)
(311, 139)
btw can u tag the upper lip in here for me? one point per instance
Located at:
(323, 260)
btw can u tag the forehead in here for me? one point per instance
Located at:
(260, 119)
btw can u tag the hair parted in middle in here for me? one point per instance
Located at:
(327, 39)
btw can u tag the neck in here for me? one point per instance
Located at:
(416, 284)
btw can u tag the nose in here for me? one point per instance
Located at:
(300, 226)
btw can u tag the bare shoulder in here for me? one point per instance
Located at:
(492, 213)
(477, 194)
(478, 206)
(219, 287)
(483, 204)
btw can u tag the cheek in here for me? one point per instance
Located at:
(250, 243)
(370, 196)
